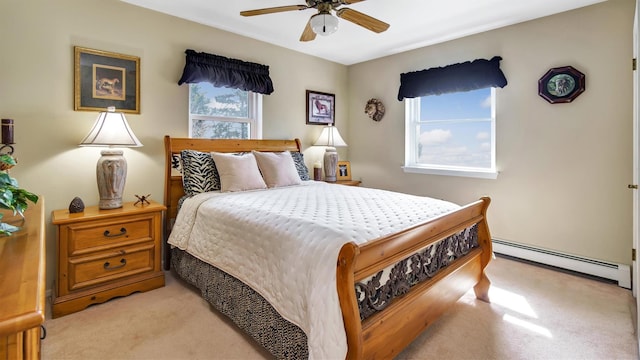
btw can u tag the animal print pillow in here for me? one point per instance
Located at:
(176, 165)
(301, 167)
(199, 172)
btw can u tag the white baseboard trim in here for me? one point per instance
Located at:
(617, 272)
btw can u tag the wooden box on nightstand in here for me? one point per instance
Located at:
(103, 254)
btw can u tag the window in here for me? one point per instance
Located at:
(452, 134)
(224, 113)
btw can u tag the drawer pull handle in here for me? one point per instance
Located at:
(123, 231)
(107, 265)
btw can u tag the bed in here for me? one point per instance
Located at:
(388, 288)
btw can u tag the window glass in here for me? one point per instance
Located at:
(452, 134)
(214, 129)
(216, 112)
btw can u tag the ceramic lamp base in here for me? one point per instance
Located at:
(111, 172)
(330, 164)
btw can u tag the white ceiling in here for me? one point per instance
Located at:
(414, 23)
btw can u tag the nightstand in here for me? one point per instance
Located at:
(104, 254)
(347, 182)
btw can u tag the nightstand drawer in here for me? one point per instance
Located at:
(95, 236)
(111, 265)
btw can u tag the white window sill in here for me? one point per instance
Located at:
(451, 172)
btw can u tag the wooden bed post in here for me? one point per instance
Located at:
(349, 305)
(484, 240)
(167, 202)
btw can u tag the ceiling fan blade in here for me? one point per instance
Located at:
(307, 33)
(272, 10)
(349, 2)
(363, 20)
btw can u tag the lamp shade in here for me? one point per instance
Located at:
(111, 129)
(330, 137)
(324, 23)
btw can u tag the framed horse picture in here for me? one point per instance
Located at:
(321, 108)
(104, 79)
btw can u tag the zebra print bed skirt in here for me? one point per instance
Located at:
(244, 306)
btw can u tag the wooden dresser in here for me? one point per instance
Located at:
(22, 285)
(103, 254)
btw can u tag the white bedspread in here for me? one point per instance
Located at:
(284, 243)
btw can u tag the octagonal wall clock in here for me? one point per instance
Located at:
(561, 85)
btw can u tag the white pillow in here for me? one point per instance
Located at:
(277, 168)
(238, 172)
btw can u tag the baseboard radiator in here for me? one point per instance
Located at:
(617, 272)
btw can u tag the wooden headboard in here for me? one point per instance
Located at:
(173, 190)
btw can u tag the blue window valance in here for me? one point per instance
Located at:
(466, 76)
(225, 72)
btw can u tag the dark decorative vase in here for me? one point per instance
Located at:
(76, 205)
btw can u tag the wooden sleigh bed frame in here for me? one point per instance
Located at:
(386, 333)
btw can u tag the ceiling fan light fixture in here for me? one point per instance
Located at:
(324, 24)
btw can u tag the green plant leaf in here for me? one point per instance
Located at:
(12, 197)
(7, 159)
(6, 229)
(6, 198)
(5, 179)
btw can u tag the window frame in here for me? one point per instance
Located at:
(412, 112)
(254, 116)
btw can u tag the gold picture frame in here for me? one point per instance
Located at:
(103, 79)
(343, 171)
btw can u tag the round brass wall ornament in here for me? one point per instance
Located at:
(375, 109)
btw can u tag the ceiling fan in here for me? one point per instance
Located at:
(323, 22)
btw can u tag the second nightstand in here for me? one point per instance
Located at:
(103, 254)
(347, 182)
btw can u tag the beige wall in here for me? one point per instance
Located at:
(564, 168)
(36, 90)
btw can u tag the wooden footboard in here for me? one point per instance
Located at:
(386, 333)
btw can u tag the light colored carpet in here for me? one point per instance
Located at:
(536, 313)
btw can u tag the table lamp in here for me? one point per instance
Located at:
(111, 129)
(330, 137)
